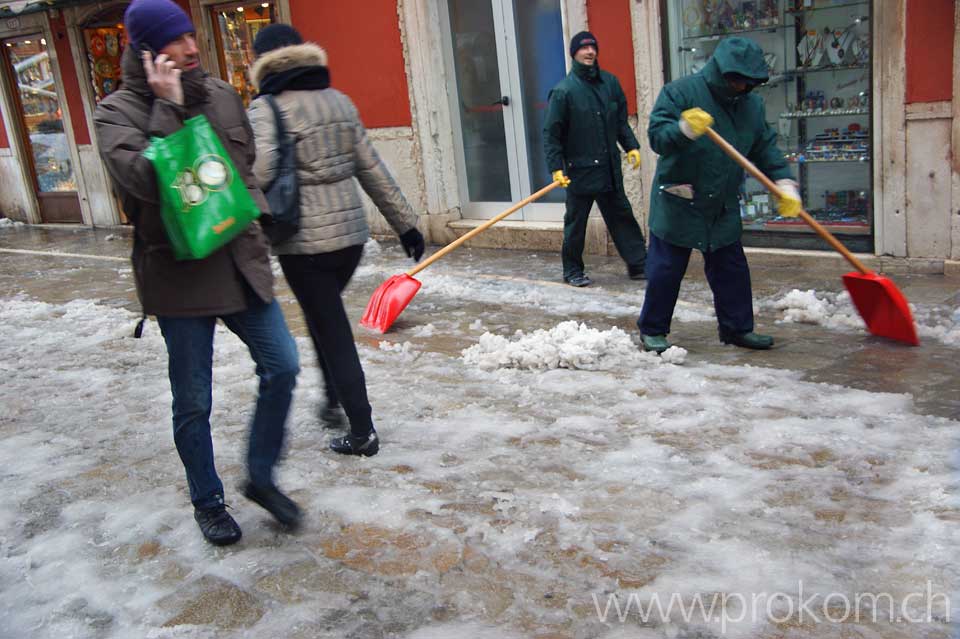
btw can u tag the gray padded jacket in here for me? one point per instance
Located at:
(332, 150)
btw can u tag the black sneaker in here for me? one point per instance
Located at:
(217, 526)
(283, 509)
(333, 417)
(578, 280)
(367, 446)
(636, 273)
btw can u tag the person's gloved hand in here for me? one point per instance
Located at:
(412, 242)
(633, 157)
(558, 176)
(789, 205)
(695, 122)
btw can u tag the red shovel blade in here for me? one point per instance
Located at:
(388, 301)
(882, 306)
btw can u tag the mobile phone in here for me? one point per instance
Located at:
(144, 47)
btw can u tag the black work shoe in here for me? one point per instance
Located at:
(273, 501)
(217, 526)
(578, 280)
(333, 417)
(636, 274)
(367, 446)
(747, 340)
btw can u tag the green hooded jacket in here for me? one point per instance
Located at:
(711, 220)
(586, 118)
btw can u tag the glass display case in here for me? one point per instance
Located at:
(235, 27)
(817, 99)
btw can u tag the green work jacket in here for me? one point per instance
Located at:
(586, 118)
(711, 219)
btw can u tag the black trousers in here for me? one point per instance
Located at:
(317, 281)
(727, 273)
(618, 216)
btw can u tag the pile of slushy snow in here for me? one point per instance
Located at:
(567, 345)
(6, 221)
(836, 310)
(832, 310)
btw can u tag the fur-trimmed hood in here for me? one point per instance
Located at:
(286, 58)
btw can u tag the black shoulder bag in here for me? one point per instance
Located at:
(283, 193)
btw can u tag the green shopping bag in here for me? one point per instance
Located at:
(205, 203)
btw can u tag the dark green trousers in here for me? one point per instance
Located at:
(618, 216)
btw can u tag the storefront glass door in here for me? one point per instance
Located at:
(505, 56)
(45, 141)
(235, 26)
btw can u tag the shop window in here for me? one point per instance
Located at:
(105, 40)
(818, 100)
(235, 27)
(37, 103)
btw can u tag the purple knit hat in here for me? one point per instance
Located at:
(155, 23)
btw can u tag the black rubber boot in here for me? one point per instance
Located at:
(747, 340)
(367, 446)
(217, 526)
(283, 509)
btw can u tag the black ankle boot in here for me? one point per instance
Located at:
(367, 446)
(217, 526)
(283, 509)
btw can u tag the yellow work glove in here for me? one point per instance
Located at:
(633, 157)
(789, 205)
(558, 176)
(695, 122)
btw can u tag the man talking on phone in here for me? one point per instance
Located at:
(163, 85)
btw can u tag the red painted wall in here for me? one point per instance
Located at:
(4, 140)
(610, 22)
(68, 72)
(929, 50)
(366, 57)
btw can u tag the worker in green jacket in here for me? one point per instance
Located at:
(586, 118)
(694, 204)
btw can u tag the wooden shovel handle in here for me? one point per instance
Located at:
(749, 167)
(466, 236)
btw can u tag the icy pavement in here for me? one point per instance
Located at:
(512, 498)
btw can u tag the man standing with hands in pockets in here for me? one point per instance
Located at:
(163, 85)
(586, 118)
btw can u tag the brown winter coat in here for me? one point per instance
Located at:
(125, 121)
(332, 149)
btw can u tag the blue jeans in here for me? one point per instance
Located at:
(727, 273)
(263, 329)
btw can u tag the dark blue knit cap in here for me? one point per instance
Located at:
(155, 23)
(581, 40)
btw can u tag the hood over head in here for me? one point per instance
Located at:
(743, 57)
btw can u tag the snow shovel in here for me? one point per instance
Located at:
(880, 303)
(391, 297)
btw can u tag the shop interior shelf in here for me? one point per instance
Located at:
(825, 113)
(862, 160)
(773, 28)
(843, 5)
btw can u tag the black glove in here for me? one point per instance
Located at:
(412, 242)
